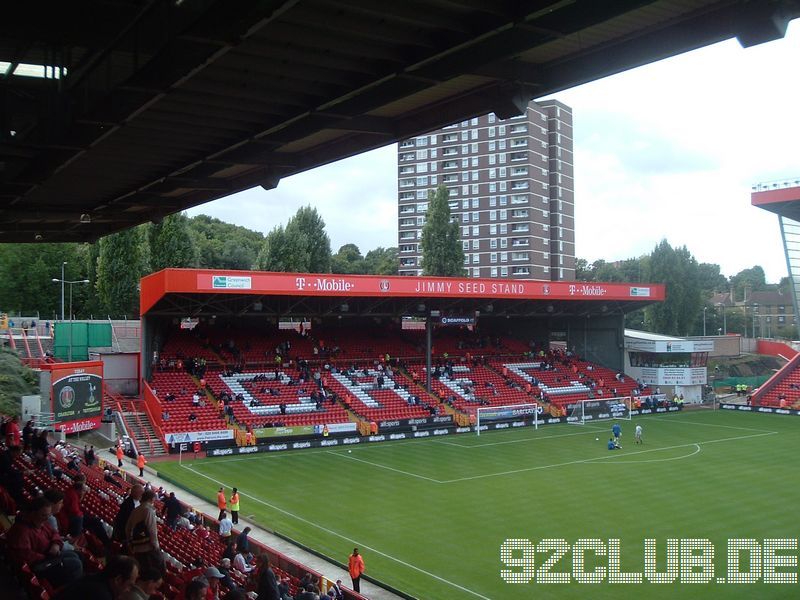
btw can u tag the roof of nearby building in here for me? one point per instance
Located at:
(647, 335)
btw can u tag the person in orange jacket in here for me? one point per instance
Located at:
(141, 462)
(120, 455)
(222, 504)
(356, 568)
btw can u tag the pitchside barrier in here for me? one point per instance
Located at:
(350, 441)
(760, 409)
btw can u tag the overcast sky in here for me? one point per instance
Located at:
(668, 150)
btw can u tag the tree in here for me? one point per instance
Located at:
(26, 274)
(302, 246)
(442, 254)
(223, 245)
(348, 260)
(120, 265)
(309, 226)
(676, 268)
(752, 280)
(381, 261)
(284, 251)
(711, 279)
(171, 243)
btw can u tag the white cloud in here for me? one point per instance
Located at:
(668, 150)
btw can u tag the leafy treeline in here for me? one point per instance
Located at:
(690, 288)
(115, 264)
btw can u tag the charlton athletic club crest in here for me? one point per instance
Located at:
(546, 290)
(384, 285)
(67, 397)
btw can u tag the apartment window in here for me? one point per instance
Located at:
(492, 132)
(501, 130)
(422, 181)
(519, 256)
(450, 151)
(503, 200)
(504, 242)
(476, 229)
(465, 231)
(520, 228)
(519, 155)
(476, 258)
(503, 186)
(476, 203)
(504, 257)
(476, 273)
(492, 117)
(474, 162)
(476, 244)
(422, 207)
(501, 145)
(420, 221)
(406, 170)
(492, 200)
(474, 148)
(521, 128)
(465, 149)
(520, 271)
(466, 259)
(492, 159)
(465, 176)
(503, 214)
(404, 210)
(492, 187)
(475, 217)
(465, 203)
(465, 163)
(449, 137)
(491, 146)
(406, 222)
(406, 183)
(474, 177)
(464, 136)
(504, 271)
(465, 217)
(422, 167)
(493, 215)
(421, 194)
(519, 199)
(450, 164)
(407, 144)
(503, 228)
(493, 229)
(493, 257)
(422, 155)
(519, 213)
(494, 271)
(492, 173)
(422, 141)
(502, 158)
(493, 243)
(519, 171)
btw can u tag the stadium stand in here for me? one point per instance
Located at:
(782, 390)
(189, 548)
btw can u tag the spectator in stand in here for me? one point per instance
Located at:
(213, 576)
(72, 506)
(142, 533)
(111, 478)
(196, 589)
(307, 594)
(230, 548)
(41, 452)
(27, 436)
(267, 583)
(31, 541)
(225, 569)
(13, 434)
(283, 589)
(11, 478)
(172, 510)
(225, 525)
(113, 582)
(356, 569)
(146, 585)
(240, 562)
(125, 509)
(338, 593)
(243, 542)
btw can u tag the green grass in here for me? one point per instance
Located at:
(431, 515)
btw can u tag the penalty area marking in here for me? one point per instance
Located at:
(341, 536)
(682, 421)
(653, 460)
(611, 456)
(587, 431)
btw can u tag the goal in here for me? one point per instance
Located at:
(600, 409)
(509, 413)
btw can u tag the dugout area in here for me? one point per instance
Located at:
(587, 317)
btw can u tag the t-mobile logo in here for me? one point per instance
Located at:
(300, 282)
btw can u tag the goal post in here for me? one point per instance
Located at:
(494, 414)
(601, 409)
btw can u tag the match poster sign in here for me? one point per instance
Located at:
(76, 392)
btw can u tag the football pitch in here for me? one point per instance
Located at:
(432, 516)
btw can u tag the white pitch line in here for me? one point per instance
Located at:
(344, 537)
(587, 431)
(380, 466)
(681, 421)
(654, 460)
(589, 460)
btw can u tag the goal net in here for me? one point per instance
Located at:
(601, 409)
(507, 414)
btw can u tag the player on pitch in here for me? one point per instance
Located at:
(637, 436)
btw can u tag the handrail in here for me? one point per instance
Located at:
(25, 339)
(39, 341)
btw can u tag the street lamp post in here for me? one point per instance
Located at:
(704, 320)
(63, 264)
(70, 284)
(724, 318)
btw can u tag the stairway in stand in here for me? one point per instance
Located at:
(141, 429)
